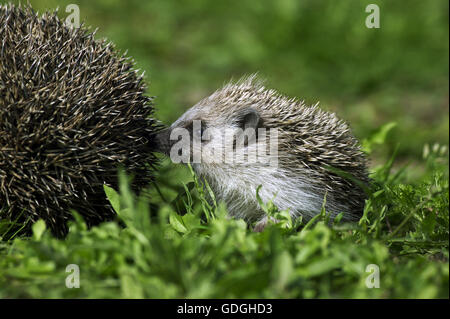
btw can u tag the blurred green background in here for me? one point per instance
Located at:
(318, 50)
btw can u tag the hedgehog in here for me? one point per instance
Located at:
(72, 112)
(317, 161)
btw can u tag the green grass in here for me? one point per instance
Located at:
(183, 246)
(203, 254)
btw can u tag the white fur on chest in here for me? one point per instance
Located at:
(236, 186)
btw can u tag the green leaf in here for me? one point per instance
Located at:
(379, 137)
(282, 270)
(113, 198)
(38, 229)
(176, 222)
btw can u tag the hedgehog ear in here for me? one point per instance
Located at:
(249, 118)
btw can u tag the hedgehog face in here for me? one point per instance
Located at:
(199, 138)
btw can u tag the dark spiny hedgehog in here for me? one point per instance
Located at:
(316, 153)
(71, 112)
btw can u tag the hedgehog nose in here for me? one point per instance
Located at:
(163, 141)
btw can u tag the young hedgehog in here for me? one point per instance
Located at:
(315, 151)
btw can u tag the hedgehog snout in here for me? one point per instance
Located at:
(163, 142)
